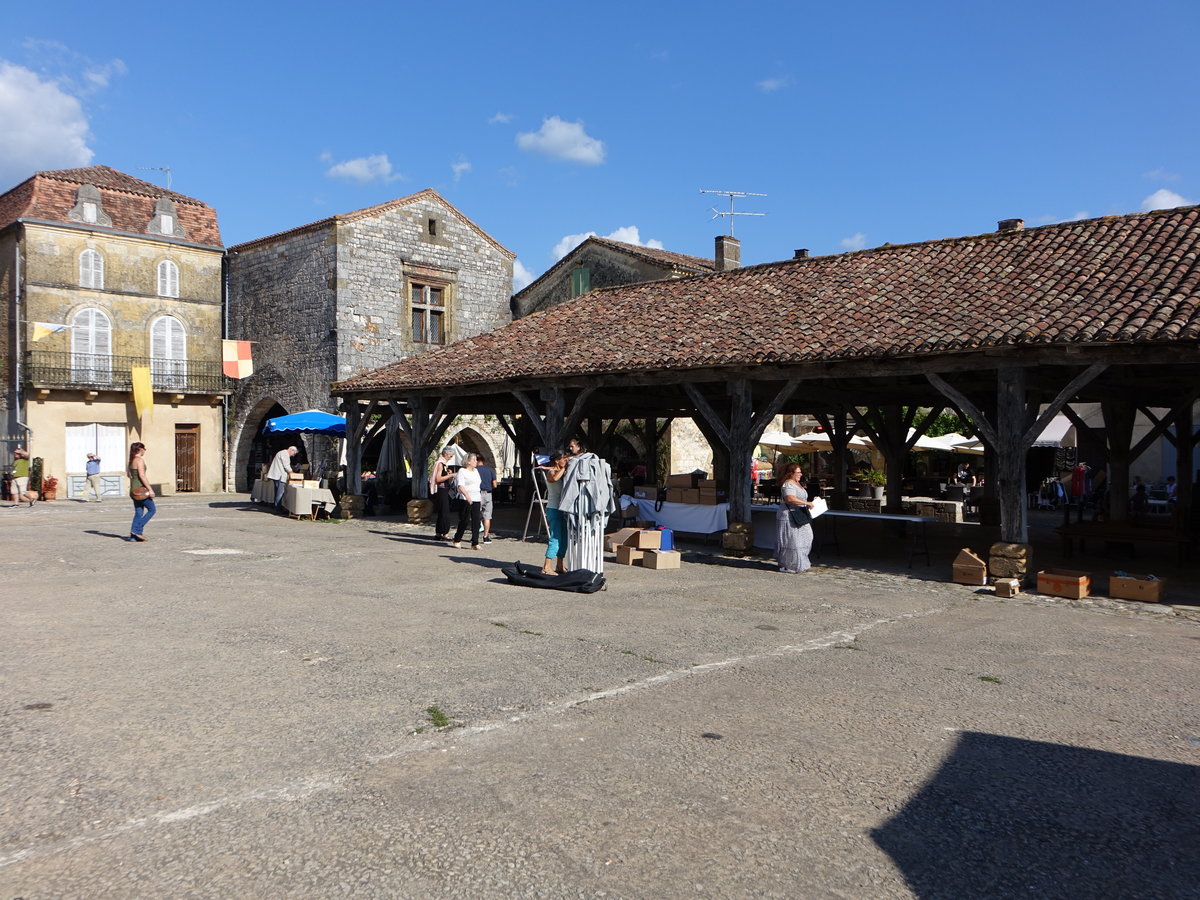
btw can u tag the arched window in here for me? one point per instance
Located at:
(168, 353)
(168, 279)
(91, 269)
(91, 347)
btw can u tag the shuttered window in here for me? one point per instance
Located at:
(581, 281)
(168, 279)
(168, 353)
(91, 347)
(91, 270)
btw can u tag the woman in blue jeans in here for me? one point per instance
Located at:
(556, 547)
(143, 506)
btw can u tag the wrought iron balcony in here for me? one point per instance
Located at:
(102, 372)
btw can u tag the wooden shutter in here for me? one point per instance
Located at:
(91, 270)
(168, 279)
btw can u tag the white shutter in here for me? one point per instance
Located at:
(110, 447)
(91, 347)
(168, 353)
(80, 441)
(91, 270)
(168, 279)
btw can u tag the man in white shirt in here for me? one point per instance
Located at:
(281, 468)
(466, 482)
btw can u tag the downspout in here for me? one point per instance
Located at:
(18, 409)
(224, 397)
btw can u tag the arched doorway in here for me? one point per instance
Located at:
(473, 442)
(257, 448)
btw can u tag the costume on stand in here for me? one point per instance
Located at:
(586, 503)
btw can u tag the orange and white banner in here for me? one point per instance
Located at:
(236, 361)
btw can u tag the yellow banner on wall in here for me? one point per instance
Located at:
(143, 391)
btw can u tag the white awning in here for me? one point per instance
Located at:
(1054, 433)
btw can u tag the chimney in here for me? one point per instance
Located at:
(801, 254)
(1006, 225)
(729, 253)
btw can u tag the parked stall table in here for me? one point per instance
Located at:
(918, 544)
(305, 502)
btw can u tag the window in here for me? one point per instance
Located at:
(433, 227)
(168, 279)
(428, 311)
(89, 212)
(168, 354)
(581, 281)
(91, 270)
(167, 224)
(91, 347)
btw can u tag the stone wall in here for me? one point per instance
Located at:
(607, 268)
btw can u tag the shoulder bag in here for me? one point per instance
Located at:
(799, 515)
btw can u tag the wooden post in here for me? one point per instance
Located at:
(1119, 414)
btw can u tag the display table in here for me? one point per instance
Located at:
(688, 517)
(305, 502)
(918, 545)
(263, 491)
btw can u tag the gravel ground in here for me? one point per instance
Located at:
(248, 706)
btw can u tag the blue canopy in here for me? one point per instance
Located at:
(311, 421)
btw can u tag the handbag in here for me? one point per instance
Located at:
(799, 515)
(139, 493)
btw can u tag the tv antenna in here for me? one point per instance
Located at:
(717, 213)
(166, 169)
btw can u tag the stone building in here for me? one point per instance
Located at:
(133, 272)
(348, 294)
(601, 263)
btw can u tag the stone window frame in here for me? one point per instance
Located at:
(89, 207)
(91, 269)
(426, 286)
(166, 219)
(168, 286)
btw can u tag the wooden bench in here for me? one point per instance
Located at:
(1131, 533)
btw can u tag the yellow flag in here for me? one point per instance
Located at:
(143, 393)
(45, 329)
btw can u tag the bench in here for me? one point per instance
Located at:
(1126, 533)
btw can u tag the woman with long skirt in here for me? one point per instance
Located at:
(792, 543)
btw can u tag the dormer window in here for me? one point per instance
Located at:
(165, 220)
(89, 208)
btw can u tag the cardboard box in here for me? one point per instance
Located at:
(968, 568)
(309, 483)
(690, 495)
(661, 559)
(674, 495)
(630, 556)
(1136, 587)
(682, 481)
(643, 492)
(617, 538)
(1007, 588)
(1064, 583)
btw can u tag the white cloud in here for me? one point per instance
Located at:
(522, 277)
(855, 242)
(460, 168)
(44, 127)
(770, 85)
(363, 169)
(563, 140)
(1161, 174)
(98, 77)
(1164, 199)
(626, 234)
(501, 118)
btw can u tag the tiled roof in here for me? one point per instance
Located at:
(1116, 279)
(427, 194)
(128, 201)
(674, 261)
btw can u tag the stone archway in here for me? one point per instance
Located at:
(473, 441)
(253, 449)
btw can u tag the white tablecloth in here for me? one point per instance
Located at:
(263, 491)
(299, 500)
(685, 516)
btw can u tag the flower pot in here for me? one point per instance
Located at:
(51, 494)
(877, 492)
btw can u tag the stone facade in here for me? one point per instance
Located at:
(336, 298)
(95, 242)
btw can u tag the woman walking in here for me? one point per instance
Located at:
(140, 491)
(792, 542)
(466, 483)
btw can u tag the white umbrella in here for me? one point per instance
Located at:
(776, 440)
(973, 446)
(819, 440)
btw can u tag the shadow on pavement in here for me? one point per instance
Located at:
(1007, 817)
(120, 537)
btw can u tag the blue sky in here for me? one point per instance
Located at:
(863, 124)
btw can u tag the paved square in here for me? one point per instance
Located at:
(245, 706)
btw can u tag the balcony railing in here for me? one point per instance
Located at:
(101, 372)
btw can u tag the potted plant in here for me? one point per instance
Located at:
(876, 479)
(49, 487)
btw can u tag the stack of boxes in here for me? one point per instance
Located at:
(641, 547)
(696, 489)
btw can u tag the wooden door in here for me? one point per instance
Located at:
(187, 457)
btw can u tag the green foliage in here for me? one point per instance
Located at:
(874, 477)
(437, 718)
(945, 423)
(35, 474)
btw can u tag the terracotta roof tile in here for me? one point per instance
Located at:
(128, 201)
(1117, 279)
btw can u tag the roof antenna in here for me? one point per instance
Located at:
(166, 169)
(717, 213)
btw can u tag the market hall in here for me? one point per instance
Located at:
(1008, 328)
